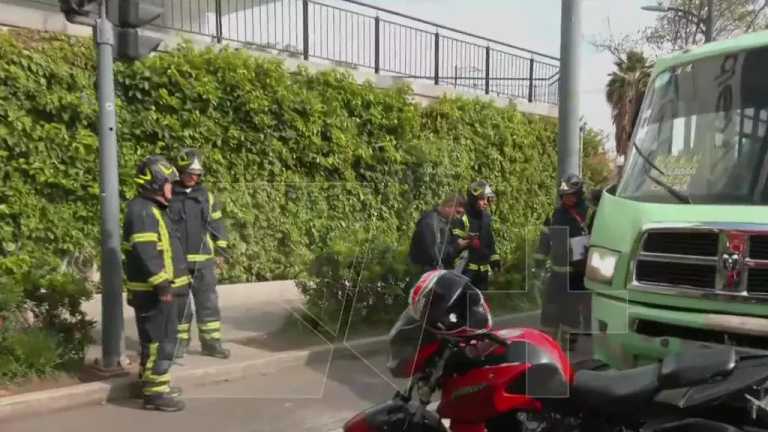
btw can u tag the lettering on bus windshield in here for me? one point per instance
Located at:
(678, 170)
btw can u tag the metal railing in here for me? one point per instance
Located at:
(371, 37)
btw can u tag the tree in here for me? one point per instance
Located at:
(683, 26)
(675, 30)
(624, 93)
(596, 168)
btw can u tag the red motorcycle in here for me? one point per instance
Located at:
(518, 380)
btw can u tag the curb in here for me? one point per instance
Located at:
(97, 393)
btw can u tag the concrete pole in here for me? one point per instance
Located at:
(708, 23)
(570, 42)
(111, 268)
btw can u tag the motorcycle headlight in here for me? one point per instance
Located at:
(601, 264)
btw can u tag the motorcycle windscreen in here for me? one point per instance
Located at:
(410, 345)
(749, 372)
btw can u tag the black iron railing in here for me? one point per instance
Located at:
(352, 33)
(355, 34)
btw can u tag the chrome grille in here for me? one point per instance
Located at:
(694, 261)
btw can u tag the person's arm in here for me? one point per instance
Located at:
(216, 226)
(541, 255)
(495, 257)
(143, 241)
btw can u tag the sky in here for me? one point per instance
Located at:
(535, 24)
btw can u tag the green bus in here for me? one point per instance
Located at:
(679, 249)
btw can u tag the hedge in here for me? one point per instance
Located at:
(321, 178)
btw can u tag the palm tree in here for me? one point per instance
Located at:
(624, 92)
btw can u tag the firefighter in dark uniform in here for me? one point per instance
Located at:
(197, 216)
(480, 257)
(564, 241)
(156, 272)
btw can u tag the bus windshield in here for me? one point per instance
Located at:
(701, 135)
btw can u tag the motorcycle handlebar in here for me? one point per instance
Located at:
(493, 337)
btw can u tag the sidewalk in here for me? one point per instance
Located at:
(247, 309)
(260, 325)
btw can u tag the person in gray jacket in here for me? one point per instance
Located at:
(432, 244)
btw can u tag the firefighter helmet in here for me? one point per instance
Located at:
(480, 189)
(569, 184)
(189, 160)
(153, 173)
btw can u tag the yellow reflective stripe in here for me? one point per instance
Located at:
(160, 379)
(222, 243)
(165, 241)
(158, 278)
(165, 388)
(215, 335)
(138, 286)
(213, 325)
(183, 335)
(184, 327)
(144, 237)
(484, 267)
(210, 242)
(495, 258)
(151, 359)
(179, 282)
(216, 215)
(459, 233)
(144, 286)
(561, 269)
(198, 258)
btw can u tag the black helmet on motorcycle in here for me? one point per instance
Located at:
(569, 184)
(190, 161)
(153, 173)
(448, 304)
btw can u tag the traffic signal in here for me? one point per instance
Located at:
(79, 8)
(128, 16)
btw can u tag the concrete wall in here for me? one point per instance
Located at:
(42, 15)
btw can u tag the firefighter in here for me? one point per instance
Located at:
(197, 216)
(475, 227)
(156, 271)
(564, 241)
(432, 245)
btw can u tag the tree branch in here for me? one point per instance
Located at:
(756, 15)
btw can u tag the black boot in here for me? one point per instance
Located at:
(214, 349)
(163, 402)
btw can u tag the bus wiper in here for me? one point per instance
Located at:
(670, 190)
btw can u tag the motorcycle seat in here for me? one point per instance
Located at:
(695, 367)
(616, 390)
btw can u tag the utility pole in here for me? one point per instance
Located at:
(111, 268)
(708, 24)
(124, 42)
(570, 41)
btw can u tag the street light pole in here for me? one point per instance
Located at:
(111, 268)
(708, 21)
(570, 41)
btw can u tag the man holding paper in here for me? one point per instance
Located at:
(566, 302)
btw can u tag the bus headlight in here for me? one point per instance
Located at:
(601, 264)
